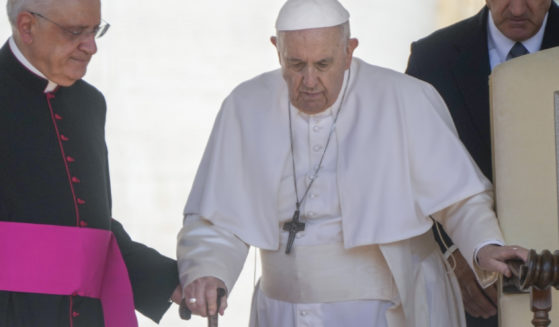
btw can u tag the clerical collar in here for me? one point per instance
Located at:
(51, 86)
(499, 45)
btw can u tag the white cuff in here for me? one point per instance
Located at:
(205, 250)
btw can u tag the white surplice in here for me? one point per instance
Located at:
(394, 160)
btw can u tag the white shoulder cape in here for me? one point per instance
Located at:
(399, 159)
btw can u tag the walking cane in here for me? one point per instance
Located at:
(212, 319)
(185, 313)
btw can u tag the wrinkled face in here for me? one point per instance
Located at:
(518, 19)
(52, 49)
(313, 63)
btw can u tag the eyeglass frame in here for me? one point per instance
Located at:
(97, 31)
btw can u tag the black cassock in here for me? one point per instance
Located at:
(54, 170)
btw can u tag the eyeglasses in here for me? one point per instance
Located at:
(76, 33)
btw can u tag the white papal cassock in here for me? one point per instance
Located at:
(366, 256)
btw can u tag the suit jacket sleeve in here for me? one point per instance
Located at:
(152, 275)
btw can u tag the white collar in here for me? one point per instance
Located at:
(21, 58)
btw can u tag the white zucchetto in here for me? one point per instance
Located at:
(307, 14)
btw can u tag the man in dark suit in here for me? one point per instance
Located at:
(457, 60)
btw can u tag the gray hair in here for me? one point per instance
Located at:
(15, 7)
(344, 35)
(346, 31)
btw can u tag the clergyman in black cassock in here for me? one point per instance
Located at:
(54, 171)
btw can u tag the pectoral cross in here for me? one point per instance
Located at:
(293, 227)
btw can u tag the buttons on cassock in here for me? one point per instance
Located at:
(67, 159)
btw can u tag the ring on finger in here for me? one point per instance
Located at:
(192, 300)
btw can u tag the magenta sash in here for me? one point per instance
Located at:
(64, 260)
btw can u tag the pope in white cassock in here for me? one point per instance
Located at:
(333, 168)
